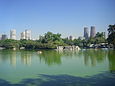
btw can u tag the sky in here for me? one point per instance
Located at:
(67, 17)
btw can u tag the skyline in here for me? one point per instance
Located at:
(67, 17)
(26, 34)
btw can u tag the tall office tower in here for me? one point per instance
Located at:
(13, 34)
(4, 36)
(86, 33)
(28, 34)
(23, 35)
(92, 32)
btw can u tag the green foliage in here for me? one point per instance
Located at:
(111, 29)
(100, 38)
(48, 57)
(49, 37)
(111, 35)
(30, 44)
(68, 42)
(78, 42)
(9, 43)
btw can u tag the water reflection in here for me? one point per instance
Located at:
(26, 57)
(4, 55)
(13, 58)
(92, 57)
(111, 58)
(51, 57)
(55, 57)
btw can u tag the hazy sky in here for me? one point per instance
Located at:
(67, 17)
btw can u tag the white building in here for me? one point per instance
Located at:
(28, 34)
(13, 34)
(23, 35)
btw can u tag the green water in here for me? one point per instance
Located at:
(16, 66)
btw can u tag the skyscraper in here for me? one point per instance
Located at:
(86, 33)
(28, 34)
(13, 34)
(23, 35)
(92, 32)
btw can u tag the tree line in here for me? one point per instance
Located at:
(50, 41)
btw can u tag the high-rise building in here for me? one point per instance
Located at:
(13, 34)
(4, 36)
(86, 33)
(28, 34)
(92, 32)
(23, 35)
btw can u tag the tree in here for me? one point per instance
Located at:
(100, 38)
(68, 42)
(51, 38)
(111, 35)
(78, 42)
(9, 43)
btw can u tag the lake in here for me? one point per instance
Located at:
(57, 68)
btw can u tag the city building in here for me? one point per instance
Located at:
(71, 38)
(86, 33)
(13, 34)
(92, 32)
(4, 36)
(104, 34)
(23, 35)
(28, 34)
